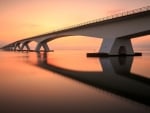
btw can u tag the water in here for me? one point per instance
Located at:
(69, 82)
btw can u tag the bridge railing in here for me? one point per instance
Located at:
(134, 11)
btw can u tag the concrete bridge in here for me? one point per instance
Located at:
(116, 32)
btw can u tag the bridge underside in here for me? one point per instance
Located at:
(121, 46)
(109, 47)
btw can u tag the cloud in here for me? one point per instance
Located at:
(7, 4)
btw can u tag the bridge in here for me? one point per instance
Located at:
(115, 30)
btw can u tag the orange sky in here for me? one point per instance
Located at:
(24, 18)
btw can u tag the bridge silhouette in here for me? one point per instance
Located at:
(115, 30)
(116, 76)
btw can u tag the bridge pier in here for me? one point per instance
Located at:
(25, 44)
(12, 48)
(115, 47)
(17, 46)
(42, 44)
(8, 48)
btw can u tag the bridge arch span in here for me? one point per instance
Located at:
(32, 45)
(80, 38)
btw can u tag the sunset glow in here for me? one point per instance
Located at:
(74, 56)
(25, 18)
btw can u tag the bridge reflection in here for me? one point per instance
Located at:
(115, 78)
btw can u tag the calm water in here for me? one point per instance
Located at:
(69, 82)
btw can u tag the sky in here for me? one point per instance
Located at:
(20, 19)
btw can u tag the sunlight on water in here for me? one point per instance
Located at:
(68, 82)
(72, 60)
(141, 65)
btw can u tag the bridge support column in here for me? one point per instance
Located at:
(17, 46)
(7, 48)
(25, 44)
(44, 45)
(117, 47)
(12, 48)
